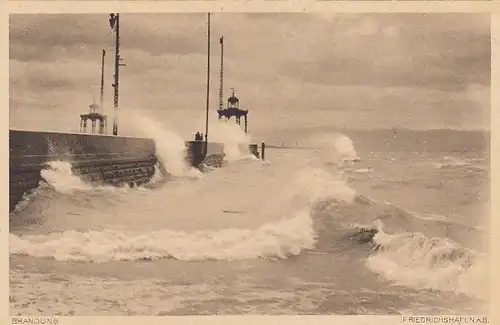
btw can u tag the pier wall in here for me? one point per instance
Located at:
(196, 149)
(215, 153)
(254, 150)
(96, 158)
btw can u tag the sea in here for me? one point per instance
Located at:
(331, 225)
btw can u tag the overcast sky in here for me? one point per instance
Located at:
(289, 70)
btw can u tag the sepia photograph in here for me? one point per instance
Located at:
(176, 164)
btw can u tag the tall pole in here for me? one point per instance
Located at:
(102, 79)
(208, 86)
(221, 90)
(117, 71)
(114, 21)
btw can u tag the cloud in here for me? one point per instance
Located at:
(289, 70)
(421, 50)
(48, 37)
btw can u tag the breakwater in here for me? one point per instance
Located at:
(96, 158)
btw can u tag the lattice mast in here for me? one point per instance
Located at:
(95, 111)
(221, 90)
(114, 22)
(102, 81)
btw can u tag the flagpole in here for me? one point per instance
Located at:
(208, 87)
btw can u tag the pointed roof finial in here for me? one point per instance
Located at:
(233, 99)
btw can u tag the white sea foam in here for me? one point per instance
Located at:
(334, 148)
(272, 240)
(236, 142)
(61, 177)
(418, 261)
(289, 233)
(248, 210)
(170, 147)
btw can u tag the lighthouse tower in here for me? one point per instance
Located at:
(233, 109)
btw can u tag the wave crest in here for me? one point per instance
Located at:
(418, 261)
(273, 240)
(60, 176)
